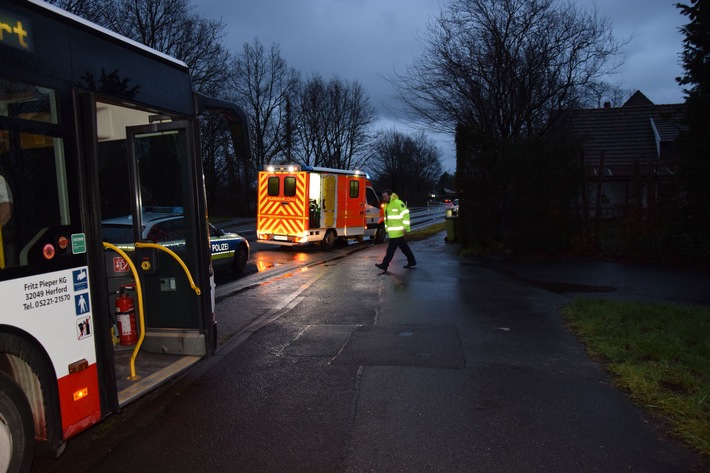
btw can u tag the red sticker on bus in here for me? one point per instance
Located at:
(63, 242)
(120, 265)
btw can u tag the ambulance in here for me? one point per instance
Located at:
(297, 205)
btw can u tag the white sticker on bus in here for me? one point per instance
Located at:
(54, 308)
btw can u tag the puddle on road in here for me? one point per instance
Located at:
(262, 265)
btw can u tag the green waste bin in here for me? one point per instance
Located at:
(450, 227)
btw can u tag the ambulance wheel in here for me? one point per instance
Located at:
(380, 234)
(16, 428)
(328, 240)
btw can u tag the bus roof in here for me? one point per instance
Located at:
(105, 31)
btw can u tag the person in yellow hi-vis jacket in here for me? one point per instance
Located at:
(397, 224)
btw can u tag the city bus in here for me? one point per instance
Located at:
(95, 127)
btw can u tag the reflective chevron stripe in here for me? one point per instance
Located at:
(280, 215)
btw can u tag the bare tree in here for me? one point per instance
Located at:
(87, 9)
(170, 26)
(266, 85)
(497, 72)
(350, 114)
(502, 66)
(334, 120)
(603, 93)
(155, 23)
(409, 165)
(312, 119)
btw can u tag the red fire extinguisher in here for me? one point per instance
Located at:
(126, 316)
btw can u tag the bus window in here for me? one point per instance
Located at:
(29, 102)
(33, 172)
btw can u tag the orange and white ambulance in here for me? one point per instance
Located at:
(302, 204)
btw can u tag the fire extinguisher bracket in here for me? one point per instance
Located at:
(126, 317)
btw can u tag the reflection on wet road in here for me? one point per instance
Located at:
(266, 258)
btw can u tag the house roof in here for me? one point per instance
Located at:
(636, 131)
(637, 99)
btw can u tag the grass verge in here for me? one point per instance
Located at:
(425, 233)
(658, 353)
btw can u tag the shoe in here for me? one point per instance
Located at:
(410, 265)
(381, 266)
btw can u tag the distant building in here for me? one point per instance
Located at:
(629, 153)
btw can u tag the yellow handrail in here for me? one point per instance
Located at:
(176, 257)
(139, 292)
(139, 295)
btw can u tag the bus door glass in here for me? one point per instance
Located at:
(147, 193)
(165, 214)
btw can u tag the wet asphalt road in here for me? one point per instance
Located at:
(455, 366)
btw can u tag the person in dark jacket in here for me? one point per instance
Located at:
(397, 224)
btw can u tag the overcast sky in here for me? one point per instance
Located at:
(366, 40)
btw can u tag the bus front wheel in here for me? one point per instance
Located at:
(16, 428)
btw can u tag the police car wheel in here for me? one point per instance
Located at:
(241, 255)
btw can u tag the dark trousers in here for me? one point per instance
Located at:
(394, 243)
